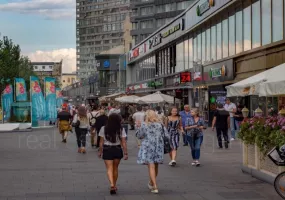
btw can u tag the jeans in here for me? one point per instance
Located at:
(237, 123)
(126, 127)
(232, 125)
(81, 137)
(195, 144)
(224, 132)
(185, 142)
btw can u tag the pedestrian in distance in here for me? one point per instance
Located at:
(194, 132)
(138, 118)
(151, 133)
(92, 117)
(100, 122)
(186, 113)
(221, 121)
(231, 108)
(64, 119)
(174, 128)
(113, 148)
(81, 122)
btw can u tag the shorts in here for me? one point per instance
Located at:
(112, 152)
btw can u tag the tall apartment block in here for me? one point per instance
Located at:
(99, 27)
(149, 15)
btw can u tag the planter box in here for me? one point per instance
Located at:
(259, 166)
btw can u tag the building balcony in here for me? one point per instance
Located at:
(139, 3)
(143, 31)
(141, 17)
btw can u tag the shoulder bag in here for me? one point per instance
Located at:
(166, 142)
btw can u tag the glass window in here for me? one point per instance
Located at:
(203, 47)
(247, 26)
(225, 38)
(199, 49)
(186, 53)
(219, 41)
(191, 53)
(239, 31)
(266, 21)
(232, 35)
(195, 48)
(208, 45)
(213, 43)
(277, 20)
(255, 24)
(179, 57)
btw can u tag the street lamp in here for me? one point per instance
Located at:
(282, 112)
(258, 112)
(245, 112)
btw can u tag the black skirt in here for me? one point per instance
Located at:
(112, 152)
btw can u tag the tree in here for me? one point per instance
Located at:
(13, 64)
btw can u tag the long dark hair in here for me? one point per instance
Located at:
(113, 128)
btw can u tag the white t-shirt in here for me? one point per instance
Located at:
(139, 116)
(108, 143)
(230, 107)
(114, 110)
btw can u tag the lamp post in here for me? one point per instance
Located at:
(282, 112)
(245, 113)
(258, 112)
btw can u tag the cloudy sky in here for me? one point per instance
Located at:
(44, 29)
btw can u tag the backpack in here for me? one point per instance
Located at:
(93, 119)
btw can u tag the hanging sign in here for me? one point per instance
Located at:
(185, 77)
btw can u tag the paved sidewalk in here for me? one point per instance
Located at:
(37, 166)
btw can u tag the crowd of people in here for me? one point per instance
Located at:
(108, 127)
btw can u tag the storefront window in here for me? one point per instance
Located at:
(225, 38)
(232, 35)
(277, 20)
(199, 47)
(203, 49)
(255, 24)
(191, 53)
(186, 54)
(219, 41)
(195, 49)
(239, 31)
(247, 26)
(208, 45)
(213, 43)
(179, 57)
(162, 62)
(165, 61)
(266, 21)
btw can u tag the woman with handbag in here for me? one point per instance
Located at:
(154, 142)
(174, 127)
(81, 124)
(194, 126)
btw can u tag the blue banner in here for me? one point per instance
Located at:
(7, 100)
(38, 101)
(21, 90)
(50, 93)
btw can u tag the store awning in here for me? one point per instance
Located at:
(127, 99)
(268, 83)
(157, 97)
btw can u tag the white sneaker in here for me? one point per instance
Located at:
(150, 186)
(173, 163)
(170, 163)
(232, 139)
(154, 191)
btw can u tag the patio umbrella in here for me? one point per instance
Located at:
(157, 97)
(127, 99)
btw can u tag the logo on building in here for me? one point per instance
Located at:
(204, 6)
(106, 64)
(156, 40)
(218, 72)
(174, 29)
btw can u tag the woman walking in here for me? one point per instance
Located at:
(81, 124)
(100, 122)
(113, 148)
(174, 126)
(151, 151)
(194, 126)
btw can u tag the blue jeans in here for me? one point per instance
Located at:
(232, 126)
(237, 126)
(195, 144)
(126, 127)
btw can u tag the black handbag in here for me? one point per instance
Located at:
(76, 124)
(166, 142)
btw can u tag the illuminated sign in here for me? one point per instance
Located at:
(185, 77)
(204, 6)
(156, 40)
(106, 64)
(218, 72)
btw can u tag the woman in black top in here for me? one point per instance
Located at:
(238, 118)
(101, 121)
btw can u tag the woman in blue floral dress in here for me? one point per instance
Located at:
(151, 151)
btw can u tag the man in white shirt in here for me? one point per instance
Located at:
(116, 109)
(138, 118)
(231, 108)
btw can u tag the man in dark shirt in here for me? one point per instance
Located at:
(222, 122)
(64, 120)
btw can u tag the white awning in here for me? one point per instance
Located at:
(157, 97)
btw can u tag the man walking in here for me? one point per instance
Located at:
(222, 121)
(138, 118)
(184, 115)
(231, 108)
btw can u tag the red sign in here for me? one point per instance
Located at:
(136, 52)
(185, 77)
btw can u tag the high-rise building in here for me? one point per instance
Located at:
(99, 27)
(149, 15)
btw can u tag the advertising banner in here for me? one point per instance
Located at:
(7, 100)
(50, 95)
(37, 98)
(21, 90)
(59, 98)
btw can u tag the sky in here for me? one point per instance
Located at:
(44, 29)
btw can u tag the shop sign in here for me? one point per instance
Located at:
(156, 40)
(174, 29)
(218, 72)
(106, 64)
(197, 76)
(155, 83)
(185, 77)
(136, 53)
(204, 6)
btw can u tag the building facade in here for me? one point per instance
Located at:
(48, 69)
(68, 79)
(209, 46)
(99, 27)
(148, 16)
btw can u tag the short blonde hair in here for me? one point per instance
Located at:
(151, 117)
(195, 110)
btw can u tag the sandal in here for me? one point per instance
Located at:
(113, 190)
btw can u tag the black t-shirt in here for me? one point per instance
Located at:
(240, 118)
(64, 116)
(222, 119)
(100, 122)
